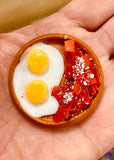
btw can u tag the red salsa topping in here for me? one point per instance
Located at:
(80, 85)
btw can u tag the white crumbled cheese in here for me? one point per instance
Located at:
(68, 96)
(85, 83)
(87, 67)
(65, 37)
(91, 75)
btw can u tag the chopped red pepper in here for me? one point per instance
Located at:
(68, 110)
(62, 113)
(70, 50)
(59, 115)
(93, 90)
(89, 78)
(87, 62)
(77, 53)
(68, 55)
(57, 93)
(56, 90)
(76, 107)
(69, 46)
(63, 95)
(68, 71)
(77, 88)
(85, 97)
(96, 73)
(96, 88)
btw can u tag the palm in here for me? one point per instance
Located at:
(22, 139)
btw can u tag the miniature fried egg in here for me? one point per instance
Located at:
(41, 67)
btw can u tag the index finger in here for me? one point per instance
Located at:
(89, 14)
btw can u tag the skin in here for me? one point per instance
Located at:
(21, 139)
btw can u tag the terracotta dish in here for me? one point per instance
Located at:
(57, 41)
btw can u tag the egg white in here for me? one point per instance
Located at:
(52, 77)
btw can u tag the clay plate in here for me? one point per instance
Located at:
(57, 40)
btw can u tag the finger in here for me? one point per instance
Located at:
(89, 14)
(105, 36)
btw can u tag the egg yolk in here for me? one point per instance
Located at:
(37, 61)
(36, 91)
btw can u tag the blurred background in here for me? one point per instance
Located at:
(18, 13)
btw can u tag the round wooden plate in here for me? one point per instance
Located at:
(57, 40)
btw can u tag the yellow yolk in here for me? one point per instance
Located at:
(36, 91)
(37, 61)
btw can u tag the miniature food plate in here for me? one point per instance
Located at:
(74, 70)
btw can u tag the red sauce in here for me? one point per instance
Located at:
(81, 83)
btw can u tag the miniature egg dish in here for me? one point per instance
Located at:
(56, 79)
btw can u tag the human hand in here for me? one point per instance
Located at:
(20, 139)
